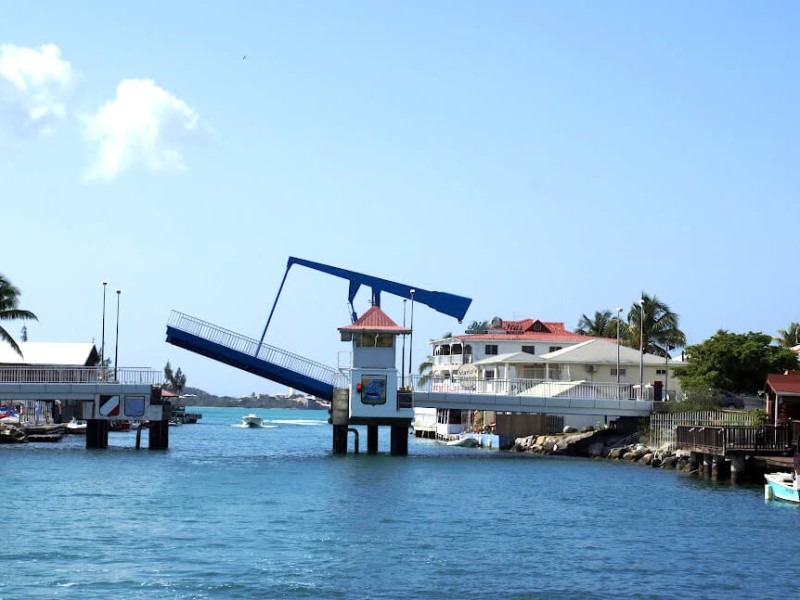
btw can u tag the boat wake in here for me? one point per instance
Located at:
(262, 426)
(311, 422)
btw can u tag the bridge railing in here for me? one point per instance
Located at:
(526, 387)
(251, 347)
(81, 375)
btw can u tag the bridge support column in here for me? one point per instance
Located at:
(399, 442)
(372, 439)
(158, 438)
(708, 462)
(96, 433)
(694, 461)
(738, 468)
(717, 467)
(340, 439)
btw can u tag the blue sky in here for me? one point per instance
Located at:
(546, 159)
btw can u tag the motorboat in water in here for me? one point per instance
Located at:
(251, 420)
(464, 442)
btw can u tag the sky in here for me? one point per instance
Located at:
(546, 159)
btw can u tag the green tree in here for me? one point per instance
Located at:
(790, 336)
(176, 381)
(659, 324)
(10, 311)
(739, 362)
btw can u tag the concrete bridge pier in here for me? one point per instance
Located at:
(372, 439)
(738, 468)
(708, 465)
(399, 442)
(717, 467)
(158, 438)
(96, 433)
(695, 459)
(340, 439)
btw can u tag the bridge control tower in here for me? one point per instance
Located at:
(374, 398)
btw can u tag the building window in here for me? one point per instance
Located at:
(529, 349)
(622, 372)
(537, 326)
(554, 348)
(490, 349)
(489, 373)
(661, 371)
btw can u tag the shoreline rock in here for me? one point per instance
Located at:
(606, 444)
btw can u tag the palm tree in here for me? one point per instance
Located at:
(601, 325)
(425, 371)
(660, 326)
(790, 336)
(596, 326)
(9, 310)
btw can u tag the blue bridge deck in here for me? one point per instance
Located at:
(249, 355)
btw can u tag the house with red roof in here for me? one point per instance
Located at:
(783, 397)
(534, 349)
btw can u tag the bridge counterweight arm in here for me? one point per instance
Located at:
(448, 304)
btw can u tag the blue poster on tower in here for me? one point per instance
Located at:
(373, 389)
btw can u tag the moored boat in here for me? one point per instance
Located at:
(782, 486)
(76, 427)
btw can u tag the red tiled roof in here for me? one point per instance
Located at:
(564, 336)
(788, 383)
(527, 326)
(375, 320)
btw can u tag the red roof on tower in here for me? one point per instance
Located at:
(375, 320)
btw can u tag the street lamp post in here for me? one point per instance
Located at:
(116, 349)
(403, 361)
(411, 337)
(103, 339)
(641, 347)
(619, 311)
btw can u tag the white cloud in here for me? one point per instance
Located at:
(34, 83)
(145, 125)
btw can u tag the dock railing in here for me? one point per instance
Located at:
(759, 439)
(81, 375)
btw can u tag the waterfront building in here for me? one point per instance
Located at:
(544, 351)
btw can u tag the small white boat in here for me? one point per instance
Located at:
(251, 420)
(76, 427)
(782, 486)
(465, 442)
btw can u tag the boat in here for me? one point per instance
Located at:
(251, 420)
(76, 427)
(465, 442)
(782, 486)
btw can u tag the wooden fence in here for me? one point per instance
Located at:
(664, 425)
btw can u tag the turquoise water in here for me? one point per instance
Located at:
(229, 512)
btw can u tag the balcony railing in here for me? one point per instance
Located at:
(546, 388)
(81, 375)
